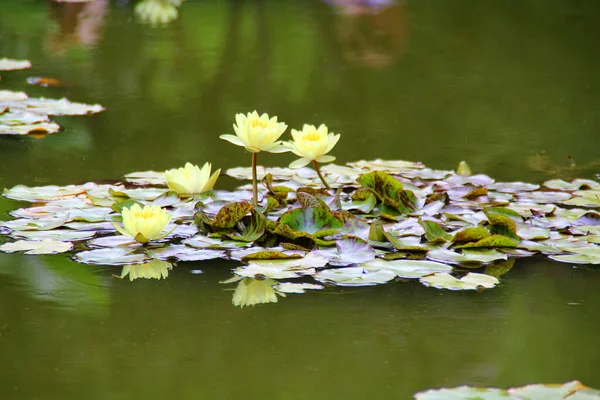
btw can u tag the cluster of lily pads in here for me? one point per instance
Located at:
(573, 390)
(383, 221)
(22, 115)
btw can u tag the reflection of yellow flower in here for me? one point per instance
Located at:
(156, 12)
(252, 291)
(191, 179)
(156, 269)
(312, 144)
(144, 224)
(257, 133)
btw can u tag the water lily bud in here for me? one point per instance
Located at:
(191, 179)
(257, 133)
(312, 144)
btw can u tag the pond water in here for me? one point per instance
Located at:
(511, 87)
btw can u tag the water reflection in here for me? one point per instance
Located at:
(155, 269)
(252, 291)
(157, 12)
(80, 24)
(372, 33)
(58, 280)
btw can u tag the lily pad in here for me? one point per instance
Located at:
(472, 256)
(471, 281)
(8, 64)
(348, 251)
(45, 246)
(355, 276)
(290, 287)
(310, 220)
(407, 268)
(111, 256)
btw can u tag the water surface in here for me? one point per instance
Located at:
(511, 87)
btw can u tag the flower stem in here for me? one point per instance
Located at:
(316, 165)
(254, 182)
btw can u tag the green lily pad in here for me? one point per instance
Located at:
(493, 241)
(472, 234)
(390, 191)
(63, 235)
(310, 220)
(471, 281)
(434, 232)
(269, 255)
(45, 246)
(231, 214)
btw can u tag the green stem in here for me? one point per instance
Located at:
(254, 182)
(316, 165)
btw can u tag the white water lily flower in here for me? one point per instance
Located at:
(155, 269)
(257, 133)
(312, 144)
(144, 224)
(191, 179)
(250, 292)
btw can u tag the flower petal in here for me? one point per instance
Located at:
(299, 163)
(325, 159)
(233, 139)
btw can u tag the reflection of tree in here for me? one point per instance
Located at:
(78, 23)
(372, 33)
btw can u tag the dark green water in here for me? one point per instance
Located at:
(510, 86)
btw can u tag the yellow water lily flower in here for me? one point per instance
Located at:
(144, 224)
(257, 133)
(191, 179)
(250, 292)
(155, 269)
(312, 144)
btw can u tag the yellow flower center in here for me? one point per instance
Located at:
(312, 136)
(259, 122)
(144, 213)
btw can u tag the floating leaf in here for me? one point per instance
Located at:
(490, 241)
(349, 251)
(289, 287)
(471, 281)
(8, 64)
(112, 256)
(472, 234)
(407, 268)
(310, 220)
(476, 192)
(390, 190)
(434, 232)
(354, 276)
(46, 246)
(269, 255)
(467, 256)
(231, 214)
